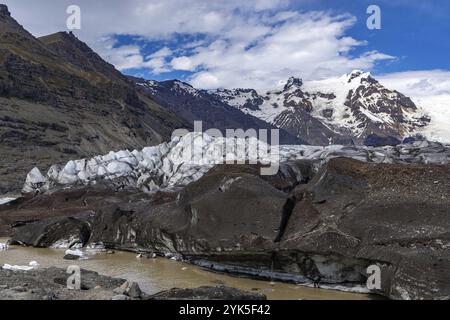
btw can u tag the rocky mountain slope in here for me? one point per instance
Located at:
(59, 100)
(198, 105)
(338, 110)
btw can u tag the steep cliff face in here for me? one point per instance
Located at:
(59, 99)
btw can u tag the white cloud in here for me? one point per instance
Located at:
(157, 61)
(161, 53)
(310, 45)
(211, 80)
(419, 83)
(157, 65)
(125, 57)
(247, 43)
(182, 63)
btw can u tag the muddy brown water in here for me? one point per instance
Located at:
(154, 275)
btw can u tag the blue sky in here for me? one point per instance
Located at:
(416, 32)
(255, 43)
(149, 47)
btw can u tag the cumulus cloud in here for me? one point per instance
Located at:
(125, 57)
(161, 53)
(311, 46)
(244, 43)
(182, 63)
(419, 83)
(157, 61)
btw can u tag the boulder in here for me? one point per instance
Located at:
(51, 284)
(71, 257)
(48, 232)
(207, 293)
(129, 289)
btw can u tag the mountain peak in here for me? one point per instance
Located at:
(8, 24)
(4, 10)
(293, 81)
(78, 53)
(67, 37)
(356, 73)
(183, 87)
(359, 75)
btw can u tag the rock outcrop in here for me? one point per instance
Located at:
(51, 284)
(207, 293)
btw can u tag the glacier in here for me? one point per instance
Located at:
(182, 160)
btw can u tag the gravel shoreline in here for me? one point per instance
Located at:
(52, 284)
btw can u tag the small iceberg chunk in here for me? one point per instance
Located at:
(34, 181)
(6, 200)
(74, 255)
(32, 265)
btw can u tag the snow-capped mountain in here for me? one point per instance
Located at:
(336, 110)
(194, 104)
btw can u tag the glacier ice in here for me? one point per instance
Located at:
(32, 265)
(34, 180)
(6, 200)
(185, 159)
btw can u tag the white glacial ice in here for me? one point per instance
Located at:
(75, 252)
(186, 159)
(32, 265)
(6, 200)
(34, 180)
